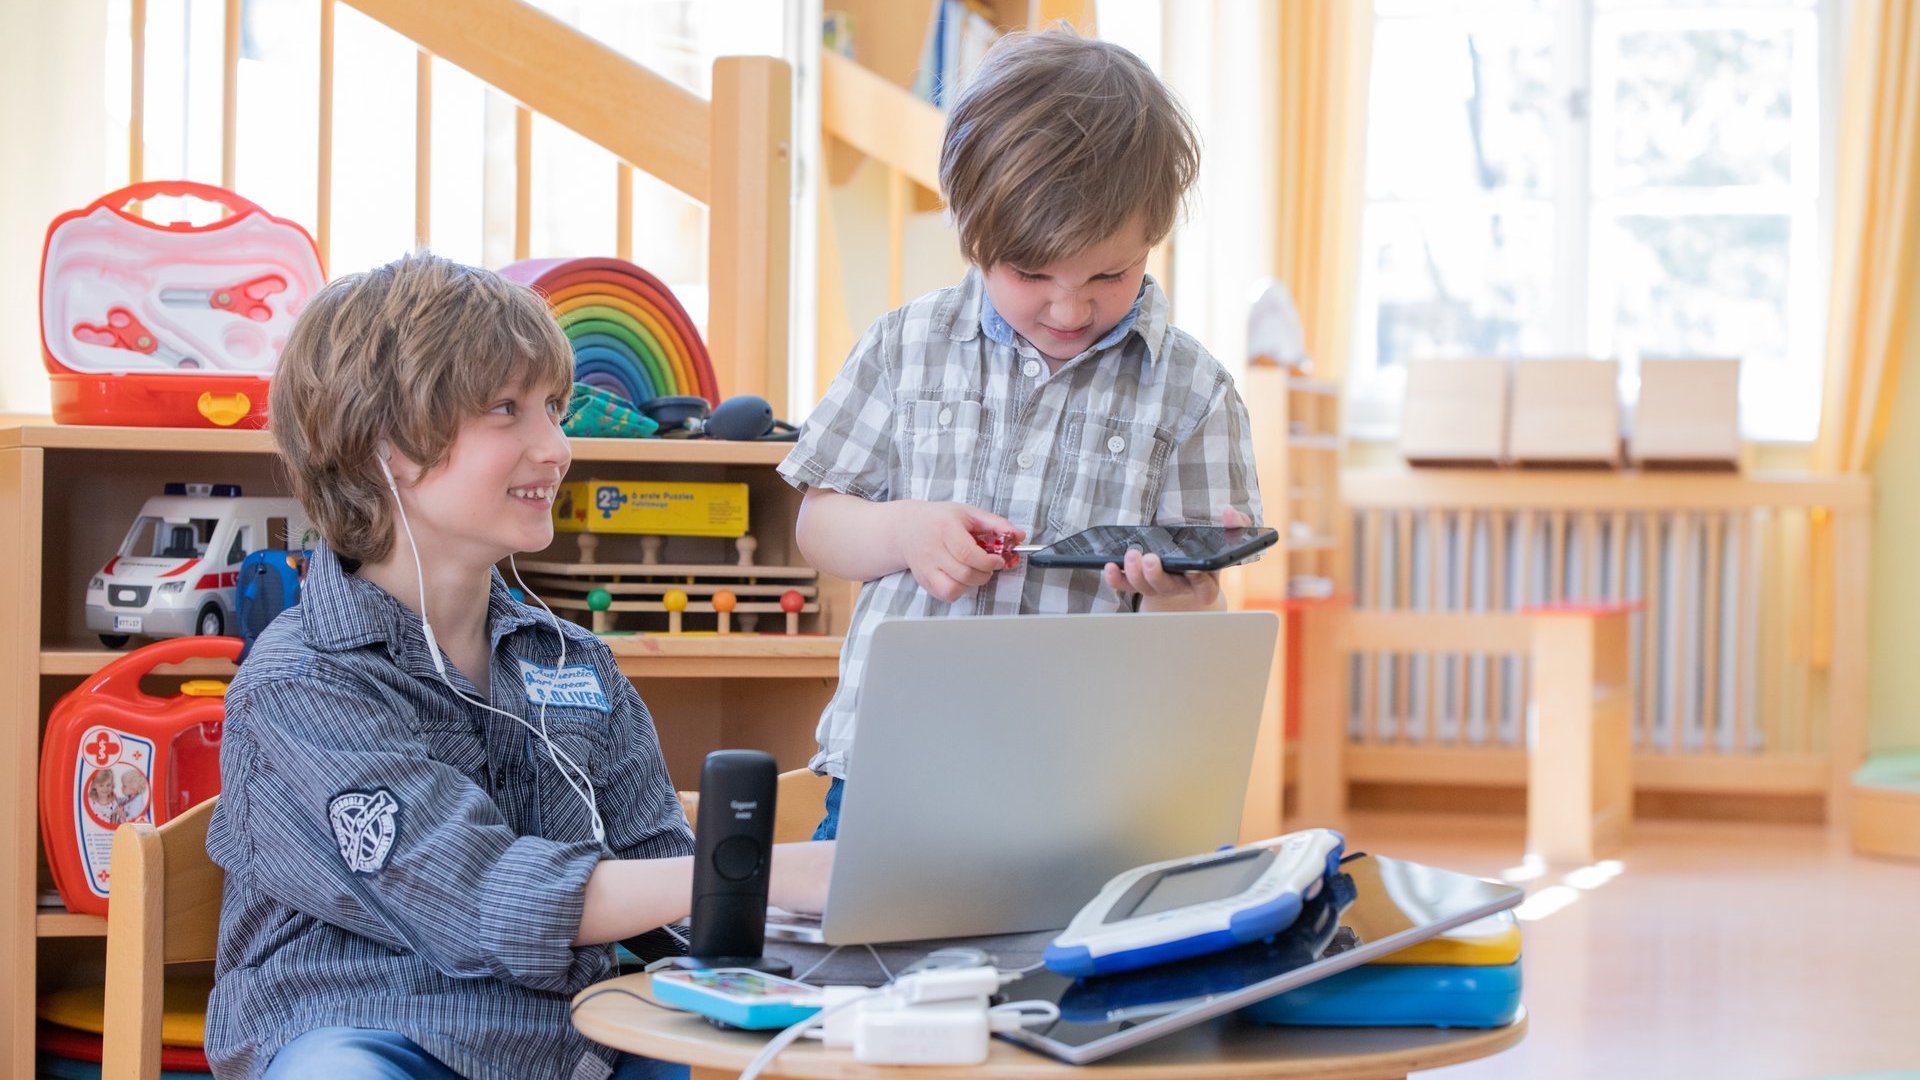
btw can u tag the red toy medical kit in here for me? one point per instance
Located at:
(114, 754)
(169, 324)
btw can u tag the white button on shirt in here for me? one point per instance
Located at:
(1116, 444)
(1032, 369)
(1025, 459)
(946, 417)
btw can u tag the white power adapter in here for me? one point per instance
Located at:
(933, 1017)
(931, 1033)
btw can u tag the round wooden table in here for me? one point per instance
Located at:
(1220, 1049)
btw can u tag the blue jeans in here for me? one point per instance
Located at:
(829, 827)
(389, 1055)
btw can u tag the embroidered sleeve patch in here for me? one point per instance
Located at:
(364, 824)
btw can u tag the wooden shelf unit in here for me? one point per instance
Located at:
(70, 494)
(1297, 448)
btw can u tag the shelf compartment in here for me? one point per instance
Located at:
(54, 922)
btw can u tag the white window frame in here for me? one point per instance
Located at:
(1581, 204)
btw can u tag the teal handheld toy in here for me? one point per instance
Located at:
(1204, 904)
(738, 997)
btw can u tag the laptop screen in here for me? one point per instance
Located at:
(1373, 907)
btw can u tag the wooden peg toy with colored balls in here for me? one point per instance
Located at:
(791, 602)
(675, 602)
(598, 602)
(723, 602)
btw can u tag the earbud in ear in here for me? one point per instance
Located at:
(385, 451)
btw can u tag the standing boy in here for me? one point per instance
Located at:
(1044, 394)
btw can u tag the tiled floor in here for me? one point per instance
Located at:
(1717, 950)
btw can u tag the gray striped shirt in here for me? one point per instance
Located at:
(1144, 427)
(396, 858)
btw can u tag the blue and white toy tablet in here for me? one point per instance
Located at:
(739, 997)
(1194, 906)
(1383, 995)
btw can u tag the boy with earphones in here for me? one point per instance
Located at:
(440, 805)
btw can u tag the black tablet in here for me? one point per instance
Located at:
(1182, 548)
(1372, 907)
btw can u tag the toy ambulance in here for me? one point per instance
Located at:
(176, 570)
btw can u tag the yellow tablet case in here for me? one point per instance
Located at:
(1488, 942)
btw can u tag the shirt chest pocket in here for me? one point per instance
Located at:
(583, 738)
(583, 745)
(1111, 473)
(456, 742)
(944, 443)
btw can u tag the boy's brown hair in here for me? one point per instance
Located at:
(1056, 144)
(400, 355)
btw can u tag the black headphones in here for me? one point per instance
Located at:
(744, 418)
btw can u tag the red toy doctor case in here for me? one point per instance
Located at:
(114, 754)
(170, 325)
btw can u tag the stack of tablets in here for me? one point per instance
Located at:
(1468, 978)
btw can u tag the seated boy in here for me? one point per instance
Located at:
(1044, 394)
(425, 858)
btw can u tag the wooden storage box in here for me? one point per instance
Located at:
(1455, 412)
(1565, 412)
(1689, 414)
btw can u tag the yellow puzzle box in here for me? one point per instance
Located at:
(659, 508)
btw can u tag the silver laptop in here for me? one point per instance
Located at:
(1005, 767)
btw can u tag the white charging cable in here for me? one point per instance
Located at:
(583, 785)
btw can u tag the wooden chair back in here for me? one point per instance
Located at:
(165, 910)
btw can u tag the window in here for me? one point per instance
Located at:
(1604, 177)
(143, 539)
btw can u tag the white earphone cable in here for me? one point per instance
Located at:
(578, 780)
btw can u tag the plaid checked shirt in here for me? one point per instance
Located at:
(941, 401)
(396, 858)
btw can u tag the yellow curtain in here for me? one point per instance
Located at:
(1877, 232)
(1322, 62)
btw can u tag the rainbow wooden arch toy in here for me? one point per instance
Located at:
(629, 333)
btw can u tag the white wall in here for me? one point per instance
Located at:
(53, 125)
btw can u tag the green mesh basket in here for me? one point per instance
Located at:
(596, 413)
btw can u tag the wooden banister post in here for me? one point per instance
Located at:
(1323, 717)
(748, 226)
(1847, 716)
(1580, 742)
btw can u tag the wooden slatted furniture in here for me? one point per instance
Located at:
(1749, 665)
(1579, 762)
(166, 910)
(70, 493)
